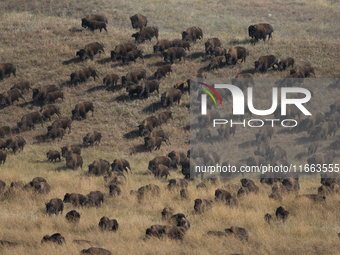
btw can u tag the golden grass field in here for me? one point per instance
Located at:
(35, 36)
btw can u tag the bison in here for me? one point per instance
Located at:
(134, 77)
(68, 150)
(95, 198)
(64, 123)
(162, 45)
(202, 205)
(236, 53)
(82, 75)
(162, 71)
(138, 21)
(265, 62)
(111, 79)
(7, 69)
(49, 110)
(133, 55)
(147, 87)
(74, 161)
(99, 167)
(303, 71)
(170, 96)
(122, 49)
(146, 33)
(92, 138)
(287, 62)
(8, 97)
(55, 238)
(121, 165)
(106, 224)
(16, 143)
(53, 155)
(81, 109)
(3, 156)
(260, 31)
(192, 34)
(93, 24)
(174, 53)
(75, 199)
(73, 216)
(54, 206)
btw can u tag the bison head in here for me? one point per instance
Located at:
(67, 198)
(134, 21)
(84, 22)
(164, 100)
(86, 140)
(166, 56)
(136, 36)
(251, 31)
(124, 80)
(185, 36)
(155, 48)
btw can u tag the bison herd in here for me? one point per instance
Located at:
(321, 125)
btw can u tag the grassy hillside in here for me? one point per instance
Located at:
(36, 37)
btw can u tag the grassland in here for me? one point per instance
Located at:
(35, 35)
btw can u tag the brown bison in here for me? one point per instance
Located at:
(219, 51)
(147, 87)
(238, 232)
(167, 212)
(92, 138)
(111, 79)
(7, 69)
(260, 31)
(148, 190)
(53, 155)
(106, 224)
(8, 97)
(180, 43)
(55, 205)
(281, 213)
(303, 71)
(64, 123)
(222, 195)
(16, 143)
(163, 160)
(54, 95)
(176, 158)
(162, 45)
(39, 94)
(133, 77)
(122, 49)
(236, 53)
(75, 199)
(162, 71)
(95, 198)
(22, 85)
(90, 50)
(177, 184)
(74, 161)
(170, 96)
(265, 62)
(192, 34)
(148, 125)
(138, 21)
(153, 143)
(82, 75)
(114, 190)
(215, 63)
(174, 53)
(160, 170)
(5, 130)
(55, 238)
(132, 90)
(28, 120)
(211, 44)
(99, 167)
(96, 17)
(163, 117)
(81, 109)
(73, 216)
(133, 55)
(121, 165)
(202, 205)
(146, 33)
(49, 110)
(93, 24)
(287, 62)
(173, 232)
(68, 150)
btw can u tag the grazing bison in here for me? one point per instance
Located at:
(55, 205)
(8, 97)
(163, 117)
(147, 87)
(53, 155)
(121, 165)
(177, 183)
(211, 44)
(7, 69)
(68, 150)
(133, 77)
(73, 216)
(82, 75)
(180, 43)
(49, 110)
(202, 205)
(95, 198)
(93, 24)
(3, 156)
(167, 213)
(133, 55)
(16, 143)
(160, 170)
(28, 120)
(81, 109)
(138, 21)
(56, 133)
(222, 195)
(260, 31)
(162, 71)
(265, 62)
(174, 53)
(122, 49)
(132, 89)
(5, 130)
(92, 138)
(236, 53)
(75, 199)
(163, 160)
(153, 143)
(177, 157)
(148, 125)
(55, 238)
(39, 94)
(96, 251)
(287, 62)
(99, 167)
(114, 190)
(238, 232)
(23, 85)
(94, 48)
(215, 63)
(146, 33)
(192, 34)
(64, 123)
(74, 161)
(173, 232)
(303, 71)
(111, 79)
(106, 224)
(219, 51)
(162, 45)
(148, 190)
(170, 96)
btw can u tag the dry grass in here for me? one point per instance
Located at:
(35, 36)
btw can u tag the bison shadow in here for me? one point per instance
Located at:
(97, 88)
(247, 144)
(139, 149)
(159, 63)
(196, 55)
(304, 140)
(115, 88)
(121, 98)
(132, 134)
(335, 84)
(243, 41)
(251, 71)
(153, 107)
(41, 139)
(104, 60)
(71, 61)
(64, 168)
(300, 155)
(148, 56)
